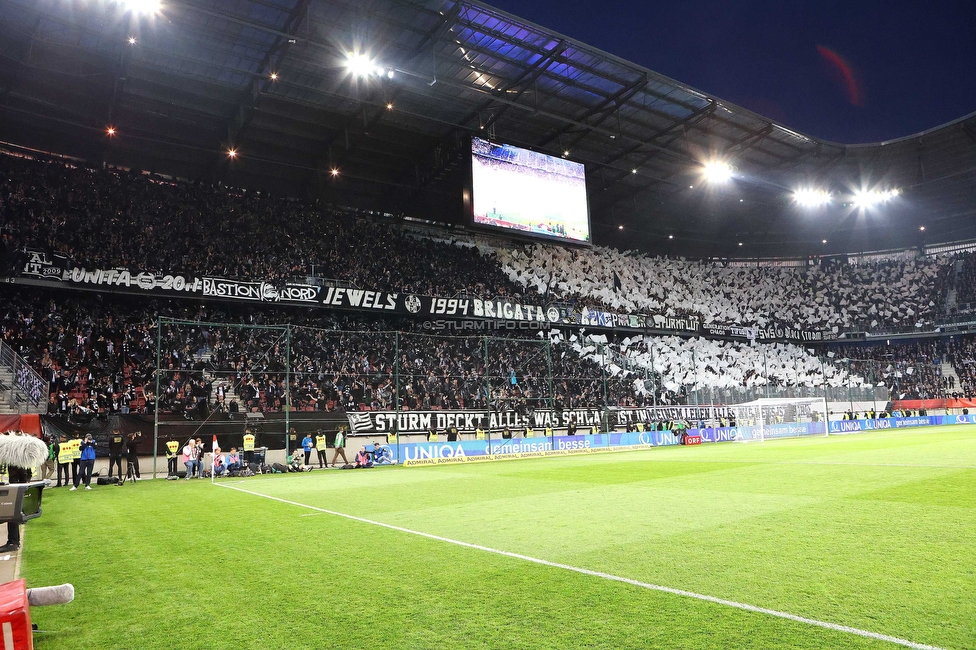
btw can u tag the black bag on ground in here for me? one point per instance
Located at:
(278, 467)
(107, 480)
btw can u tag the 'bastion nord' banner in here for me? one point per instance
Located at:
(40, 267)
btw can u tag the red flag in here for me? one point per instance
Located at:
(215, 443)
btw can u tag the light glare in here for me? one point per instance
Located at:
(150, 7)
(869, 199)
(810, 198)
(360, 65)
(716, 171)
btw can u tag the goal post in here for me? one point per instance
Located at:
(767, 418)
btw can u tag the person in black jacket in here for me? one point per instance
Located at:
(132, 455)
(116, 444)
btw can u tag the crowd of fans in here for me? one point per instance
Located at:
(107, 219)
(99, 354)
(895, 293)
(110, 218)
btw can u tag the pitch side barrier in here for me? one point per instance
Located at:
(466, 451)
(857, 426)
(473, 451)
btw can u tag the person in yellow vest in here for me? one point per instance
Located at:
(529, 432)
(594, 430)
(321, 446)
(340, 447)
(172, 449)
(62, 452)
(479, 434)
(432, 435)
(248, 446)
(640, 427)
(75, 444)
(548, 432)
(391, 438)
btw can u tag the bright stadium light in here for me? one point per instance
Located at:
(811, 198)
(359, 65)
(717, 171)
(150, 7)
(870, 198)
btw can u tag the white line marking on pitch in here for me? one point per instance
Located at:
(608, 576)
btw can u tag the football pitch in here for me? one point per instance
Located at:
(862, 541)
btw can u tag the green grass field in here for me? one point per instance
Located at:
(873, 531)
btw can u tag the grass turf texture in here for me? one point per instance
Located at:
(876, 531)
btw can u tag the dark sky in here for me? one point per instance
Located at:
(913, 64)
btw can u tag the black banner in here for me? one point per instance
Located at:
(46, 267)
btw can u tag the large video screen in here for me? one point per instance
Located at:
(529, 192)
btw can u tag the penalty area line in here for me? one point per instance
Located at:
(608, 576)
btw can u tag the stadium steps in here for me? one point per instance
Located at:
(13, 401)
(949, 371)
(229, 393)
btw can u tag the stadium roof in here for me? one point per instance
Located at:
(183, 87)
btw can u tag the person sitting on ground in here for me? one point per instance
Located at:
(363, 459)
(219, 466)
(295, 460)
(233, 461)
(382, 455)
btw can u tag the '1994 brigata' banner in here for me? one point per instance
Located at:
(42, 267)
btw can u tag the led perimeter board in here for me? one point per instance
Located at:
(527, 193)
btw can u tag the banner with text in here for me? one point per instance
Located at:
(47, 267)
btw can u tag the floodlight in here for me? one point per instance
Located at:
(620, 227)
(633, 171)
(811, 198)
(921, 228)
(823, 241)
(335, 172)
(110, 130)
(871, 198)
(232, 153)
(389, 106)
(132, 40)
(274, 76)
(389, 73)
(359, 65)
(142, 6)
(670, 236)
(717, 171)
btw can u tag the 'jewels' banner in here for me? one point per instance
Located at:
(40, 266)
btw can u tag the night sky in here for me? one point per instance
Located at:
(849, 71)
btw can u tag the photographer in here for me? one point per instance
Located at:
(87, 463)
(116, 443)
(132, 455)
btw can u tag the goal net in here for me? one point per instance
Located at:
(763, 419)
